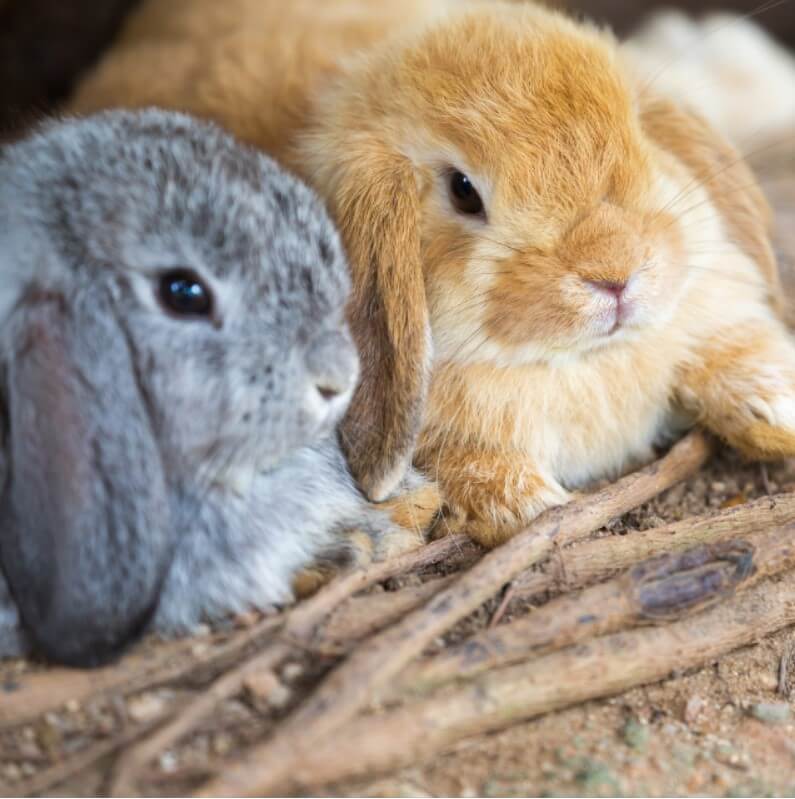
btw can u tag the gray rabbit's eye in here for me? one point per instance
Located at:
(182, 292)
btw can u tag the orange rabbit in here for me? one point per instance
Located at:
(553, 268)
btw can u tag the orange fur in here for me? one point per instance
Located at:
(484, 337)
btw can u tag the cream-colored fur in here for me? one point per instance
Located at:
(726, 66)
(485, 340)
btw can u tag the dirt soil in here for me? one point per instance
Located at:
(727, 729)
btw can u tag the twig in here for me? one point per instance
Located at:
(765, 479)
(589, 561)
(784, 668)
(592, 561)
(299, 626)
(650, 591)
(416, 732)
(362, 616)
(43, 691)
(49, 690)
(507, 596)
(127, 770)
(350, 687)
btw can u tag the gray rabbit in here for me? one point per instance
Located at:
(174, 360)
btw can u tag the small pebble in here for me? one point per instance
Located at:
(12, 772)
(145, 707)
(222, 744)
(771, 712)
(266, 688)
(635, 734)
(30, 750)
(168, 762)
(596, 777)
(767, 681)
(693, 708)
(261, 684)
(292, 671)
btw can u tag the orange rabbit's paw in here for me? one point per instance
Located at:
(310, 580)
(491, 516)
(744, 390)
(415, 509)
(770, 431)
(755, 413)
(412, 513)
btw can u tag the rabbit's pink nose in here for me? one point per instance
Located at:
(614, 287)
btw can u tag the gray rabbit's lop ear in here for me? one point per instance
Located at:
(85, 529)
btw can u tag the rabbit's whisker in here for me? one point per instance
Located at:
(701, 181)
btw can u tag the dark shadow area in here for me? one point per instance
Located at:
(44, 46)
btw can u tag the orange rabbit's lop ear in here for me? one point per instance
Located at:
(726, 176)
(374, 196)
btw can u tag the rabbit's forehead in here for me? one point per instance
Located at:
(546, 114)
(258, 234)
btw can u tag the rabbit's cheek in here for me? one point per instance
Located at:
(319, 411)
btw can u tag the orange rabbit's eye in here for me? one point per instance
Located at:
(464, 195)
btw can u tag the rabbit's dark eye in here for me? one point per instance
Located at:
(182, 292)
(464, 195)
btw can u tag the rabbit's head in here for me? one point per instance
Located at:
(172, 312)
(508, 196)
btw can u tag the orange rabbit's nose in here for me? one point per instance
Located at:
(614, 287)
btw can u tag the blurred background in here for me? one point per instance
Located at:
(45, 44)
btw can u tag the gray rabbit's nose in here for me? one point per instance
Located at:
(333, 365)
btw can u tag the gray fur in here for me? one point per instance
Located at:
(121, 404)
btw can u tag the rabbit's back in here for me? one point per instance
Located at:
(252, 65)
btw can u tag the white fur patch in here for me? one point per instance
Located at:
(724, 66)
(782, 411)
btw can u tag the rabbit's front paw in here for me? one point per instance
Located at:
(416, 508)
(745, 392)
(491, 497)
(771, 433)
(496, 523)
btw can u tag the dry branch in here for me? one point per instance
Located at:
(362, 616)
(413, 733)
(592, 561)
(350, 687)
(174, 661)
(584, 563)
(296, 633)
(50, 689)
(648, 592)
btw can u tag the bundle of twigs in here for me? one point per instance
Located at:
(705, 584)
